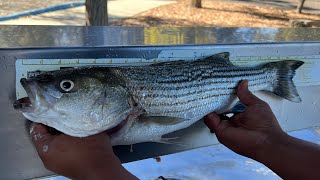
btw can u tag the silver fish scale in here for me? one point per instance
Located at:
(192, 89)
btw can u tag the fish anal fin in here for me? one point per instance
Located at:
(239, 107)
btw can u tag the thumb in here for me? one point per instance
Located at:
(245, 96)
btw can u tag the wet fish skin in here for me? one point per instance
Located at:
(155, 100)
(190, 90)
(96, 102)
(178, 89)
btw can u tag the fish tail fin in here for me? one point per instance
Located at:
(283, 85)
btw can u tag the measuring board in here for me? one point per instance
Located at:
(307, 75)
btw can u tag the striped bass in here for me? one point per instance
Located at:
(147, 101)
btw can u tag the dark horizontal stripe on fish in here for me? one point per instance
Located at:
(185, 94)
(194, 92)
(192, 100)
(185, 102)
(190, 79)
(214, 73)
(197, 71)
(189, 108)
(155, 87)
(219, 72)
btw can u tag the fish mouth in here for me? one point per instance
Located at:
(23, 104)
(26, 104)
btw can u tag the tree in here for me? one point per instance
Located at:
(96, 12)
(300, 6)
(196, 3)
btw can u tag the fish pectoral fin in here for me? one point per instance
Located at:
(172, 141)
(163, 120)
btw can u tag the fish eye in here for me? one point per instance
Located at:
(66, 85)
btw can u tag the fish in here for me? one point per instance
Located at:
(148, 101)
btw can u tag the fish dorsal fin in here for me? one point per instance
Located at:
(163, 120)
(221, 58)
(178, 62)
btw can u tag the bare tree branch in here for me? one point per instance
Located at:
(196, 3)
(300, 6)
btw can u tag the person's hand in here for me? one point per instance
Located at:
(246, 133)
(78, 158)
